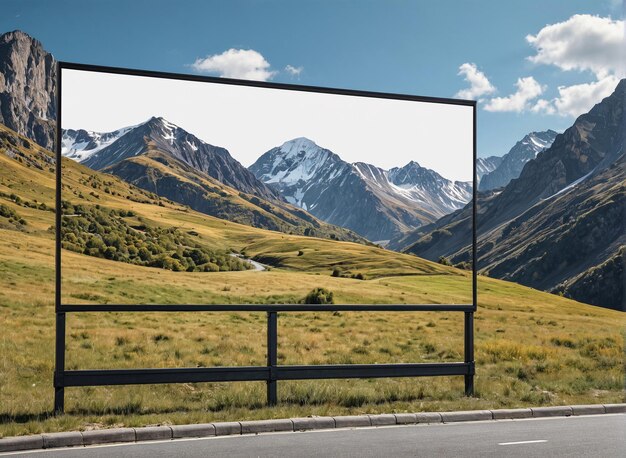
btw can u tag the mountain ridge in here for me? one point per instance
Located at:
(167, 137)
(561, 222)
(373, 202)
(512, 163)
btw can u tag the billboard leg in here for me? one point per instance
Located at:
(469, 353)
(59, 389)
(272, 357)
(59, 400)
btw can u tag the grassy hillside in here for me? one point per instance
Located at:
(301, 263)
(532, 348)
(169, 177)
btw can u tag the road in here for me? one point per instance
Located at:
(257, 265)
(590, 436)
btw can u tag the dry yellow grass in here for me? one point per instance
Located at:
(532, 348)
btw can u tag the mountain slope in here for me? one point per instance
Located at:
(27, 87)
(81, 144)
(513, 162)
(212, 160)
(373, 202)
(485, 165)
(561, 223)
(164, 159)
(169, 177)
(27, 183)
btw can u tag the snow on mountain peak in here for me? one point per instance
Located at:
(81, 144)
(412, 165)
(296, 145)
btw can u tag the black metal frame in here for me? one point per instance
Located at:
(272, 372)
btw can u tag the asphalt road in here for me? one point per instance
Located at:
(590, 436)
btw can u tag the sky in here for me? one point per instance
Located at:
(248, 121)
(532, 64)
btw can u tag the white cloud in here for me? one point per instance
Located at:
(294, 71)
(236, 63)
(583, 42)
(577, 99)
(543, 106)
(479, 83)
(528, 89)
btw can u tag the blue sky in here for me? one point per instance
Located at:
(414, 47)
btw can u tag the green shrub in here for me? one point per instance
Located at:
(7, 212)
(101, 232)
(319, 296)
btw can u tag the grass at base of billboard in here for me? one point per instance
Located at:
(532, 348)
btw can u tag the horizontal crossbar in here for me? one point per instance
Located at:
(255, 373)
(70, 308)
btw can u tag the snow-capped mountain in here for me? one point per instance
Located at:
(373, 202)
(513, 162)
(429, 188)
(101, 150)
(297, 168)
(485, 165)
(81, 144)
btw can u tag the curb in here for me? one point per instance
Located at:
(152, 433)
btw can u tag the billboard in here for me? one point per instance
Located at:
(192, 190)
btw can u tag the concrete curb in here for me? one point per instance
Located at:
(151, 433)
(310, 423)
(108, 436)
(513, 414)
(200, 430)
(615, 408)
(468, 415)
(539, 412)
(56, 440)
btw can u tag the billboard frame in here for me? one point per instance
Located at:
(271, 373)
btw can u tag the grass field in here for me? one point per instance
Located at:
(532, 348)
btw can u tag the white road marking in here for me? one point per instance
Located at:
(523, 442)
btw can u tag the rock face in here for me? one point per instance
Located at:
(378, 204)
(485, 165)
(27, 88)
(561, 225)
(512, 163)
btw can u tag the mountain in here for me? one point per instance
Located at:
(159, 134)
(427, 188)
(376, 203)
(27, 88)
(80, 144)
(560, 226)
(164, 159)
(513, 162)
(485, 165)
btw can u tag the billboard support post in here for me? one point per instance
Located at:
(469, 352)
(272, 371)
(272, 357)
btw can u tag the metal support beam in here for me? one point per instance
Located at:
(469, 352)
(59, 366)
(272, 357)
